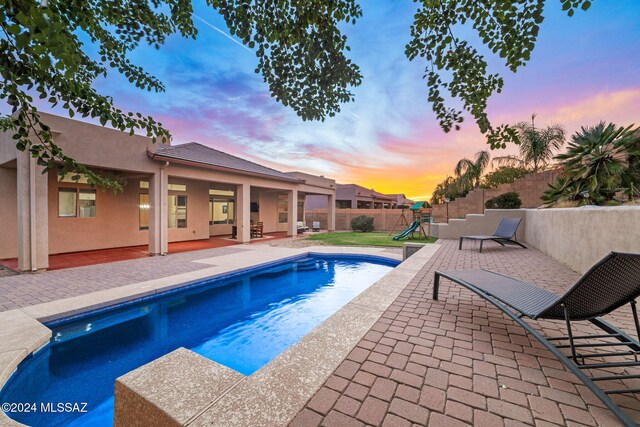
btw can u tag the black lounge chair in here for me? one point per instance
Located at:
(608, 285)
(505, 234)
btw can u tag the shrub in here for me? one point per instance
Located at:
(509, 200)
(362, 223)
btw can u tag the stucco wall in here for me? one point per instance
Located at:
(197, 211)
(479, 224)
(102, 147)
(269, 211)
(9, 214)
(116, 222)
(581, 237)
(8, 151)
(576, 237)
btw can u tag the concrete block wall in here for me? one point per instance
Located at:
(576, 237)
(530, 189)
(383, 219)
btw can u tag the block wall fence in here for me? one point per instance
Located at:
(530, 189)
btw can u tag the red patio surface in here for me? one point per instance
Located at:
(460, 361)
(101, 256)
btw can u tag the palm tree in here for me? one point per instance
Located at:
(537, 145)
(597, 161)
(469, 172)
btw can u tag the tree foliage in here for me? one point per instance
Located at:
(455, 68)
(503, 175)
(537, 146)
(469, 172)
(600, 161)
(300, 51)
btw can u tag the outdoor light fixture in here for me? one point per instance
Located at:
(584, 194)
(447, 200)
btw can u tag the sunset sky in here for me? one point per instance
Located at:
(584, 69)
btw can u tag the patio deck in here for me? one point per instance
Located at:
(456, 361)
(102, 256)
(460, 361)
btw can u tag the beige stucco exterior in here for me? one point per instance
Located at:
(576, 237)
(34, 229)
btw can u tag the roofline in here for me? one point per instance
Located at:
(156, 156)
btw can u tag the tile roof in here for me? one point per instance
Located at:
(198, 153)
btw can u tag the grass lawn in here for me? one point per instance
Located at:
(365, 239)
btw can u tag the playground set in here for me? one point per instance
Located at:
(421, 215)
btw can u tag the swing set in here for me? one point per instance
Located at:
(421, 214)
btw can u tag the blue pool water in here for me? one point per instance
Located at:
(241, 321)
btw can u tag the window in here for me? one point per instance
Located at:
(283, 209)
(87, 203)
(343, 204)
(221, 211)
(300, 210)
(177, 211)
(145, 208)
(67, 202)
(76, 203)
(144, 184)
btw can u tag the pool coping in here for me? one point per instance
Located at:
(27, 334)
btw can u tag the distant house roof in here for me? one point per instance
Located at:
(366, 192)
(401, 199)
(196, 153)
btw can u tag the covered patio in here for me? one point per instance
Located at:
(102, 256)
(173, 198)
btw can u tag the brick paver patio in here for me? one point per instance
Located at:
(460, 361)
(456, 361)
(30, 289)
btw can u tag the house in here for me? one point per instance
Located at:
(172, 193)
(401, 200)
(353, 196)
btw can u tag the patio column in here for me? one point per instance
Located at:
(33, 215)
(331, 214)
(158, 214)
(243, 212)
(292, 205)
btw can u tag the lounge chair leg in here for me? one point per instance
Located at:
(460, 244)
(635, 318)
(436, 285)
(573, 349)
(481, 242)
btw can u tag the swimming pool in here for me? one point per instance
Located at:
(241, 320)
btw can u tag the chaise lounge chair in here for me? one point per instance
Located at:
(505, 234)
(301, 227)
(608, 285)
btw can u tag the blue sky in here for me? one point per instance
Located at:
(584, 69)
